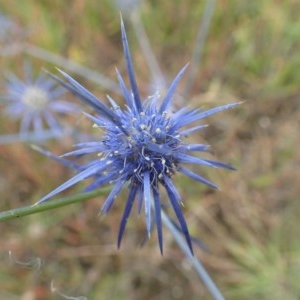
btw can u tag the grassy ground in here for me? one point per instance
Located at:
(251, 225)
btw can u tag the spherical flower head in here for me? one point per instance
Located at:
(35, 102)
(142, 146)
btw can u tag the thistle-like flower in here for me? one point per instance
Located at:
(35, 101)
(142, 146)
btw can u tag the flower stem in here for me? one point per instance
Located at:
(138, 27)
(33, 209)
(198, 49)
(71, 66)
(208, 282)
(30, 137)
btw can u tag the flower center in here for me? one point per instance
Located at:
(35, 98)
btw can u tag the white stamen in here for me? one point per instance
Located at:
(158, 130)
(35, 98)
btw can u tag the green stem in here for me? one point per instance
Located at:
(33, 209)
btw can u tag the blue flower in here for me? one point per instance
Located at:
(142, 146)
(35, 101)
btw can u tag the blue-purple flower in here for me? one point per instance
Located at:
(141, 146)
(35, 101)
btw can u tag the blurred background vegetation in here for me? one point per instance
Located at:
(251, 226)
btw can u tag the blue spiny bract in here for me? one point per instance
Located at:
(141, 146)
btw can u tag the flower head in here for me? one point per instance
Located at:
(142, 146)
(35, 101)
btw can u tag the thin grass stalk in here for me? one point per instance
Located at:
(197, 265)
(72, 66)
(199, 46)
